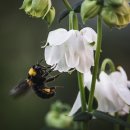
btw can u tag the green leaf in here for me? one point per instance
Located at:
(82, 116)
(85, 116)
(105, 116)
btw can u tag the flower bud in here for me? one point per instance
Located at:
(57, 118)
(39, 9)
(50, 16)
(89, 9)
(115, 2)
(117, 16)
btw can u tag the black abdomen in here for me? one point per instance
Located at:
(44, 92)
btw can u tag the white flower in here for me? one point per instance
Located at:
(111, 92)
(70, 49)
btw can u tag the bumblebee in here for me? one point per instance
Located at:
(36, 79)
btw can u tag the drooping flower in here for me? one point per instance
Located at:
(71, 49)
(39, 9)
(115, 13)
(111, 91)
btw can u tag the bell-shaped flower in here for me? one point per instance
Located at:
(70, 49)
(39, 9)
(116, 13)
(111, 91)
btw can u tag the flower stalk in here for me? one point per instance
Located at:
(73, 24)
(68, 6)
(96, 63)
(110, 63)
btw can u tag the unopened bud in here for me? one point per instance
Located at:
(117, 16)
(39, 9)
(89, 9)
(115, 2)
(50, 16)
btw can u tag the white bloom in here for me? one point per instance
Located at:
(70, 49)
(111, 92)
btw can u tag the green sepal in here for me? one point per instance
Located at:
(50, 16)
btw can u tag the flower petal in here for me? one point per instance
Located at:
(72, 48)
(109, 101)
(123, 73)
(120, 83)
(128, 84)
(58, 37)
(86, 58)
(87, 79)
(76, 106)
(124, 93)
(89, 34)
(62, 66)
(53, 54)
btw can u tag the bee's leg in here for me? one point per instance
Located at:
(52, 78)
(45, 68)
(47, 72)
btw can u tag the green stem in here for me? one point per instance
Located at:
(68, 6)
(96, 63)
(110, 63)
(116, 126)
(82, 92)
(73, 24)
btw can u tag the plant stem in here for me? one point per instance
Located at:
(82, 92)
(96, 63)
(68, 6)
(116, 126)
(73, 24)
(110, 63)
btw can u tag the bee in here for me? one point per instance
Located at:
(37, 80)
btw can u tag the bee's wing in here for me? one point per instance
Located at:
(20, 89)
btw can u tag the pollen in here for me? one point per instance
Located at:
(32, 72)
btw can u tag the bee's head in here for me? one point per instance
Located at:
(35, 70)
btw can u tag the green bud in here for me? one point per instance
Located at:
(117, 16)
(89, 9)
(50, 16)
(39, 9)
(26, 5)
(57, 116)
(124, 9)
(114, 2)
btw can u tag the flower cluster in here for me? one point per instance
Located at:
(112, 92)
(115, 13)
(71, 49)
(39, 9)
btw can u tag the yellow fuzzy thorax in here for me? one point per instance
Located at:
(32, 72)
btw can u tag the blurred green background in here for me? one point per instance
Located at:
(21, 38)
